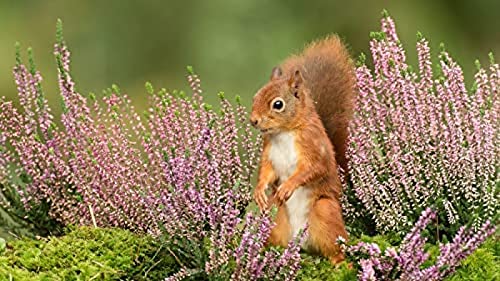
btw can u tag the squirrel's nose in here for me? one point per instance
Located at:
(254, 120)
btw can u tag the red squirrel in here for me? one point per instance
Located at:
(303, 114)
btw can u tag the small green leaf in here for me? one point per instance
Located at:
(420, 36)
(492, 58)
(183, 95)
(149, 88)
(59, 31)
(147, 137)
(162, 92)
(477, 64)
(31, 61)
(361, 60)
(115, 89)
(18, 54)
(385, 14)
(207, 107)
(442, 48)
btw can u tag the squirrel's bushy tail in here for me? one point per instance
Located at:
(329, 74)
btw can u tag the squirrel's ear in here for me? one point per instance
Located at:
(276, 73)
(296, 79)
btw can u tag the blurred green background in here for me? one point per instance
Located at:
(232, 44)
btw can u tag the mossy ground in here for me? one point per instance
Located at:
(112, 254)
(86, 254)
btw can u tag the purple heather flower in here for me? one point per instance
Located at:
(406, 261)
(128, 171)
(419, 141)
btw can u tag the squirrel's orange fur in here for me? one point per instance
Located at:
(303, 113)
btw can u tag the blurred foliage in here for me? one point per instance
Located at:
(232, 44)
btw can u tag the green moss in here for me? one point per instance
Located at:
(483, 264)
(316, 268)
(113, 254)
(86, 253)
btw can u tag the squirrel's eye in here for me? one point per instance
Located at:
(278, 104)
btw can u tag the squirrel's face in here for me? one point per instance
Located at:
(276, 106)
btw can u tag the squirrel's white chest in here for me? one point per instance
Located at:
(283, 156)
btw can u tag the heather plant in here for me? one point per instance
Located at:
(228, 252)
(420, 139)
(181, 172)
(107, 165)
(410, 261)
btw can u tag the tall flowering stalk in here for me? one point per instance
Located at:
(252, 263)
(236, 253)
(406, 262)
(417, 140)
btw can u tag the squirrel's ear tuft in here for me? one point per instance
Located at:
(276, 73)
(296, 80)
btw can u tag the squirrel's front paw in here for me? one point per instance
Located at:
(283, 192)
(261, 197)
